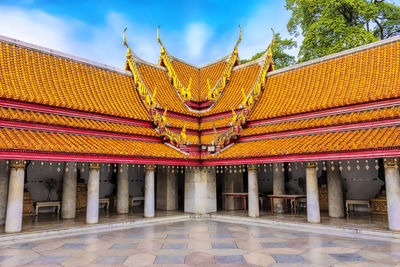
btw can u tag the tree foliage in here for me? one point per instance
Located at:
(330, 26)
(280, 58)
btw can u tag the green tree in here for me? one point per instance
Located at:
(330, 26)
(280, 58)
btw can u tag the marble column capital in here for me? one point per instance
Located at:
(311, 164)
(17, 164)
(150, 167)
(94, 166)
(252, 167)
(391, 163)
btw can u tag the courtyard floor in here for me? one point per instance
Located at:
(202, 243)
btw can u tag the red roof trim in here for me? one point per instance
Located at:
(69, 112)
(67, 130)
(23, 155)
(321, 130)
(362, 154)
(327, 112)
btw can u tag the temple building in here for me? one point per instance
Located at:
(76, 135)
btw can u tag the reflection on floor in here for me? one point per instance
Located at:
(202, 243)
(363, 220)
(51, 221)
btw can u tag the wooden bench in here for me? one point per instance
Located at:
(136, 199)
(55, 204)
(357, 202)
(105, 201)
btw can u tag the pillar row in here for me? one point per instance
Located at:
(92, 209)
(123, 189)
(200, 190)
(68, 204)
(4, 175)
(313, 213)
(15, 197)
(278, 183)
(254, 210)
(335, 191)
(149, 193)
(392, 178)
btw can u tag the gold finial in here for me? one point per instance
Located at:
(158, 35)
(240, 36)
(271, 44)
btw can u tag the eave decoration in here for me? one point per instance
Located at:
(214, 92)
(150, 103)
(248, 102)
(185, 93)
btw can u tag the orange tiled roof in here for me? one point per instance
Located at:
(330, 142)
(166, 95)
(33, 76)
(219, 123)
(37, 77)
(185, 72)
(179, 123)
(74, 122)
(365, 76)
(232, 96)
(213, 72)
(14, 139)
(346, 118)
(199, 77)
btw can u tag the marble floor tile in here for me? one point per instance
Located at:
(259, 259)
(199, 259)
(124, 246)
(224, 245)
(73, 246)
(347, 257)
(110, 260)
(288, 258)
(141, 259)
(169, 259)
(229, 259)
(202, 243)
(174, 246)
(49, 260)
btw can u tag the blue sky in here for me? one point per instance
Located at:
(195, 31)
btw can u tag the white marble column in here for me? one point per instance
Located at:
(313, 213)
(68, 204)
(167, 188)
(335, 191)
(254, 209)
(15, 197)
(4, 174)
(278, 182)
(123, 189)
(200, 190)
(392, 178)
(92, 209)
(233, 183)
(149, 191)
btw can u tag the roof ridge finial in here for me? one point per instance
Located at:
(240, 37)
(158, 36)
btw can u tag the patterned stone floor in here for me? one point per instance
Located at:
(202, 243)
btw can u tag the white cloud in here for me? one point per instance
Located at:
(100, 43)
(197, 35)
